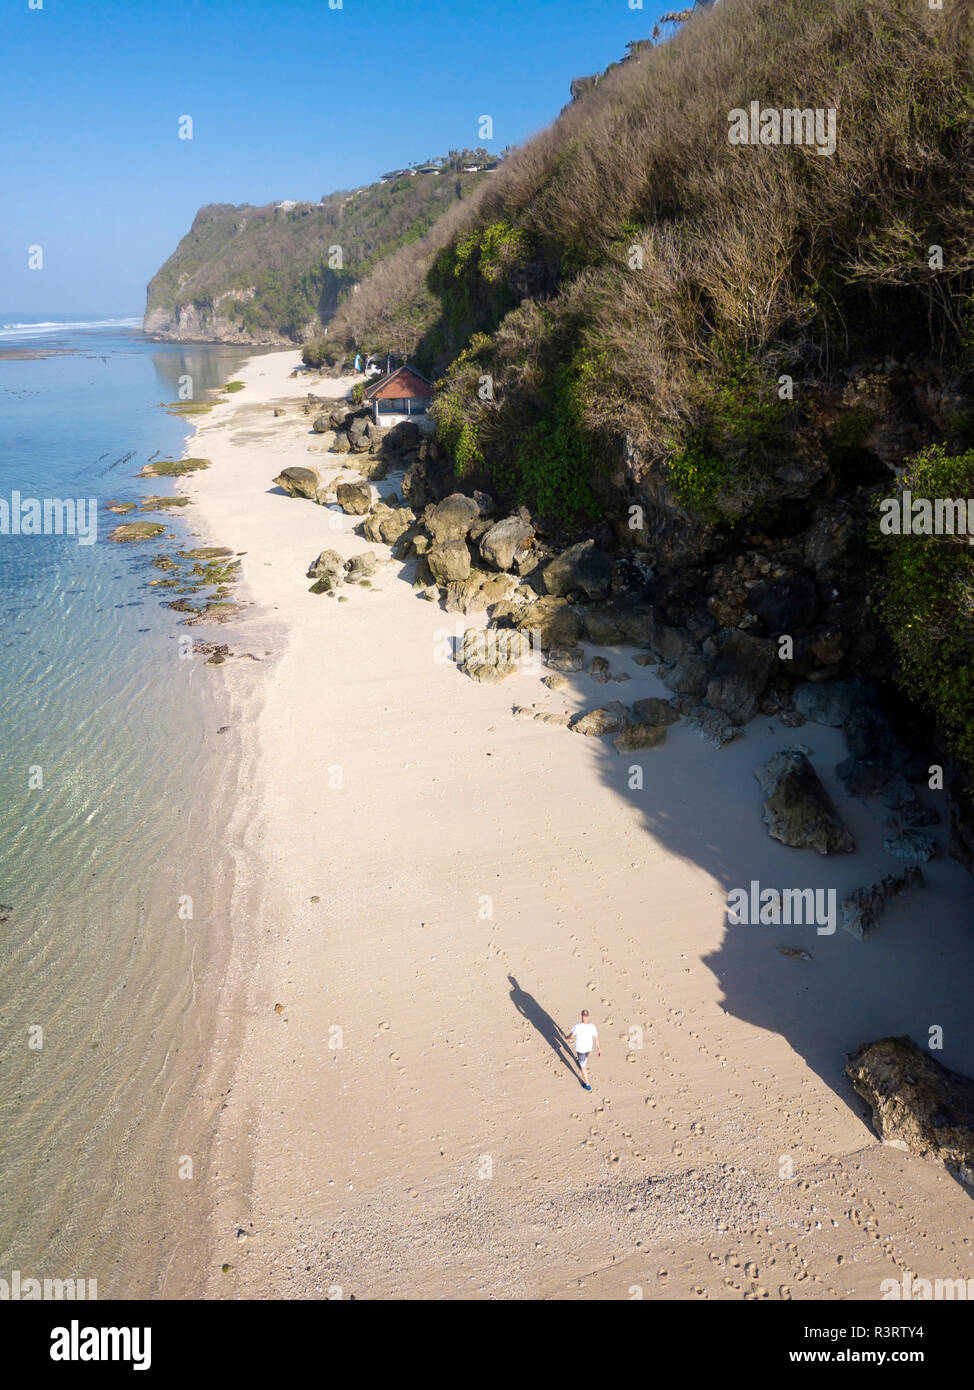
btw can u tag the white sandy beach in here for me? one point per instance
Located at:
(429, 886)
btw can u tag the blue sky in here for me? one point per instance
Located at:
(288, 100)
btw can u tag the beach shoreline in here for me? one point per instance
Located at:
(428, 889)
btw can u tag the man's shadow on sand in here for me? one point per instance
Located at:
(529, 1008)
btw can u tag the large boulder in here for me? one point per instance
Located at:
(911, 844)
(449, 561)
(328, 564)
(299, 482)
(654, 711)
(611, 719)
(451, 519)
(740, 676)
(553, 623)
(403, 437)
(322, 424)
(386, 524)
(492, 654)
(478, 592)
(373, 467)
(876, 754)
(639, 736)
(785, 605)
(580, 569)
(620, 621)
(672, 643)
(917, 1104)
(354, 498)
(361, 566)
(688, 676)
(501, 543)
(712, 726)
(829, 702)
(797, 809)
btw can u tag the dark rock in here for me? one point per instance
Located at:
(299, 482)
(654, 711)
(712, 726)
(611, 719)
(619, 621)
(876, 755)
(689, 676)
(638, 736)
(829, 543)
(354, 498)
(500, 543)
(328, 564)
(491, 655)
(451, 519)
(672, 643)
(565, 660)
(797, 809)
(862, 909)
(403, 437)
(361, 566)
(449, 561)
(917, 1104)
(580, 569)
(552, 621)
(911, 844)
(830, 702)
(785, 605)
(388, 524)
(740, 676)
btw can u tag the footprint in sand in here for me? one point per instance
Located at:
(393, 1056)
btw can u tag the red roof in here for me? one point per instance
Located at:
(403, 382)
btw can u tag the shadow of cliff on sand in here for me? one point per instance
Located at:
(705, 806)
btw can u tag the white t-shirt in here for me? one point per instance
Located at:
(584, 1035)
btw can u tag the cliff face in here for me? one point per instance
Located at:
(275, 274)
(195, 323)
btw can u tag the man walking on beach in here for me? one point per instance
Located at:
(583, 1035)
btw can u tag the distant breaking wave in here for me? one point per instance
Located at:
(30, 330)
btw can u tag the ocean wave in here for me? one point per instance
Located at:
(28, 330)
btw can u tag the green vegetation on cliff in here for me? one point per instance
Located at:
(927, 599)
(270, 274)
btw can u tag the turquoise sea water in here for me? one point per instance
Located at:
(109, 768)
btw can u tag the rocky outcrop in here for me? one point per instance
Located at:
(863, 907)
(387, 524)
(917, 1104)
(354, 498)
(797, 809)
(449, 561)
(611, 719)
(740, 676)
(490, 656)
(911, 844)
(449, 521)
(581, 569)
(552, 621)
(504, 541)
(830, 702)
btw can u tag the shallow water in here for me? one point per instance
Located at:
(114, 788)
